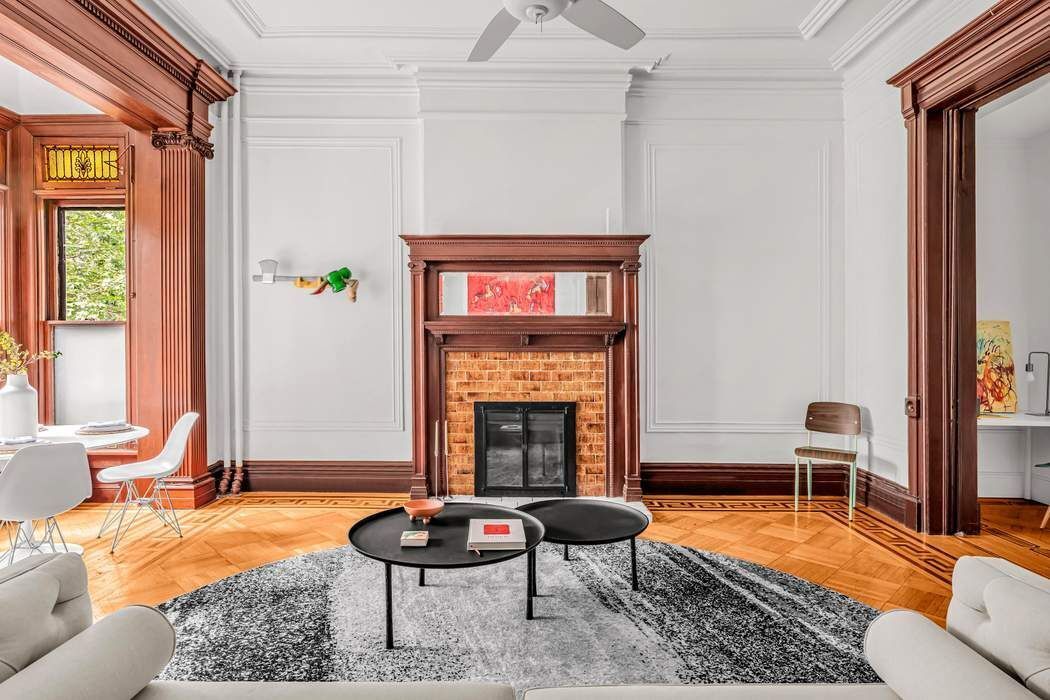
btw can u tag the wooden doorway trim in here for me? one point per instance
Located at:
(115, 57)
(1003, 49)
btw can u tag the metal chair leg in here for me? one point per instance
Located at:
(110, 513)
(54, 524)
(809, 479)
(852, 488)
(796, 484)
(128, 492)
(156, 504)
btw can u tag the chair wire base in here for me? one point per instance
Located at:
(156, 498)
(20, 539)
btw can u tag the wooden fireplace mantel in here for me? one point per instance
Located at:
(616, 335)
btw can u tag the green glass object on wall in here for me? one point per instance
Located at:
(338, 279)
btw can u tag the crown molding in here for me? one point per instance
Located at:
(821, 14)
(526, 74)
(175, 12)
(870, 32)
(265, 31)
(778, 78)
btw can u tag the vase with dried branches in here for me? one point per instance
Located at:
(18, 399)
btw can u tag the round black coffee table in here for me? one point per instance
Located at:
(378, 537)
(584, 521)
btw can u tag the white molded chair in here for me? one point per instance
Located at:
(38, 483)
(155, 497)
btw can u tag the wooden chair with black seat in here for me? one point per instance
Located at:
(830, 418)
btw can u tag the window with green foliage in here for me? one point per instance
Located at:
(92, 273)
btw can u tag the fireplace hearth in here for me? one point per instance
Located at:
(524, 448)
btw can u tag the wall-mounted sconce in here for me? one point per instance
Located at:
(1030, 369)
(336, 280)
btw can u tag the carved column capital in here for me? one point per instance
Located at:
(631, 266)
(164, 140)
(417, 267)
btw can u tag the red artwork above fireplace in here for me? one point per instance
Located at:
(510, 294)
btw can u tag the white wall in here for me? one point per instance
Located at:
(741, 321)
(742, 314)
(876, 227)
(23, 92)
(775, 274)
(1013, 250)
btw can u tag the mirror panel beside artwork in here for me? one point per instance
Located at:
(525, 293)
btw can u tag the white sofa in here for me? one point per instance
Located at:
(999, 647)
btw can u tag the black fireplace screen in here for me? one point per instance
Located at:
(524, 449)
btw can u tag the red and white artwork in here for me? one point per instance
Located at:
(510, 294)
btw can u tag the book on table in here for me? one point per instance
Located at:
(415, 538)
(486, 534)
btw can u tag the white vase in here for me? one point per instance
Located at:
(18, 407)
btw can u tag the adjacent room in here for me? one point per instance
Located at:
(531, 349)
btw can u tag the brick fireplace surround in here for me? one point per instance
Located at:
(526, 376)
(590, 360)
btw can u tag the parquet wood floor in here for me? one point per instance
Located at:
(872, 560)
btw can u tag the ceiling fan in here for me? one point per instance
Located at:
(592, 16)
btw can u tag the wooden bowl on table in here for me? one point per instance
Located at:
(424, 508)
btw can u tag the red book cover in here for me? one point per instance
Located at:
(496, 529)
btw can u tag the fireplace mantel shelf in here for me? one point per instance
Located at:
(525, 328)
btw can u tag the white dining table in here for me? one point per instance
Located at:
(58, 434)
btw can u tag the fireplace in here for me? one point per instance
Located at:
(530, 318)
(524, 448)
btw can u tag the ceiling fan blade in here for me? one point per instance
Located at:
(597, 18)
(498, 31)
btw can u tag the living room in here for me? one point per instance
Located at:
(549, 348)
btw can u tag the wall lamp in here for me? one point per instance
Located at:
(1030, 369)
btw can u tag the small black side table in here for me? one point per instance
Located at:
(584, 521)
(378, 537)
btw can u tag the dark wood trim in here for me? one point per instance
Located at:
(1003, 49)
(736, 479)
(299, 475)
(434, 334)
(887, 497)
(115, 57)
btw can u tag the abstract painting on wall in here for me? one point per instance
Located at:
(996, 376)
(510, 294)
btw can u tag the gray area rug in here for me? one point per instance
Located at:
(699, 618)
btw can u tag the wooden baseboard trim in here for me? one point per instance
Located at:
(711, 479)
(878, 493)
(889, 498)
(298, 475)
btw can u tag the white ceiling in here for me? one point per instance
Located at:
(257, 35)
(1019, 115)
(23, 92)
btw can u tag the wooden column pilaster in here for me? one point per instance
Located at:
(632, 490)
(181, 343)
(420, 429)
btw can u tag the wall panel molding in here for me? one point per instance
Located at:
(393, 147)
(653, 422)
